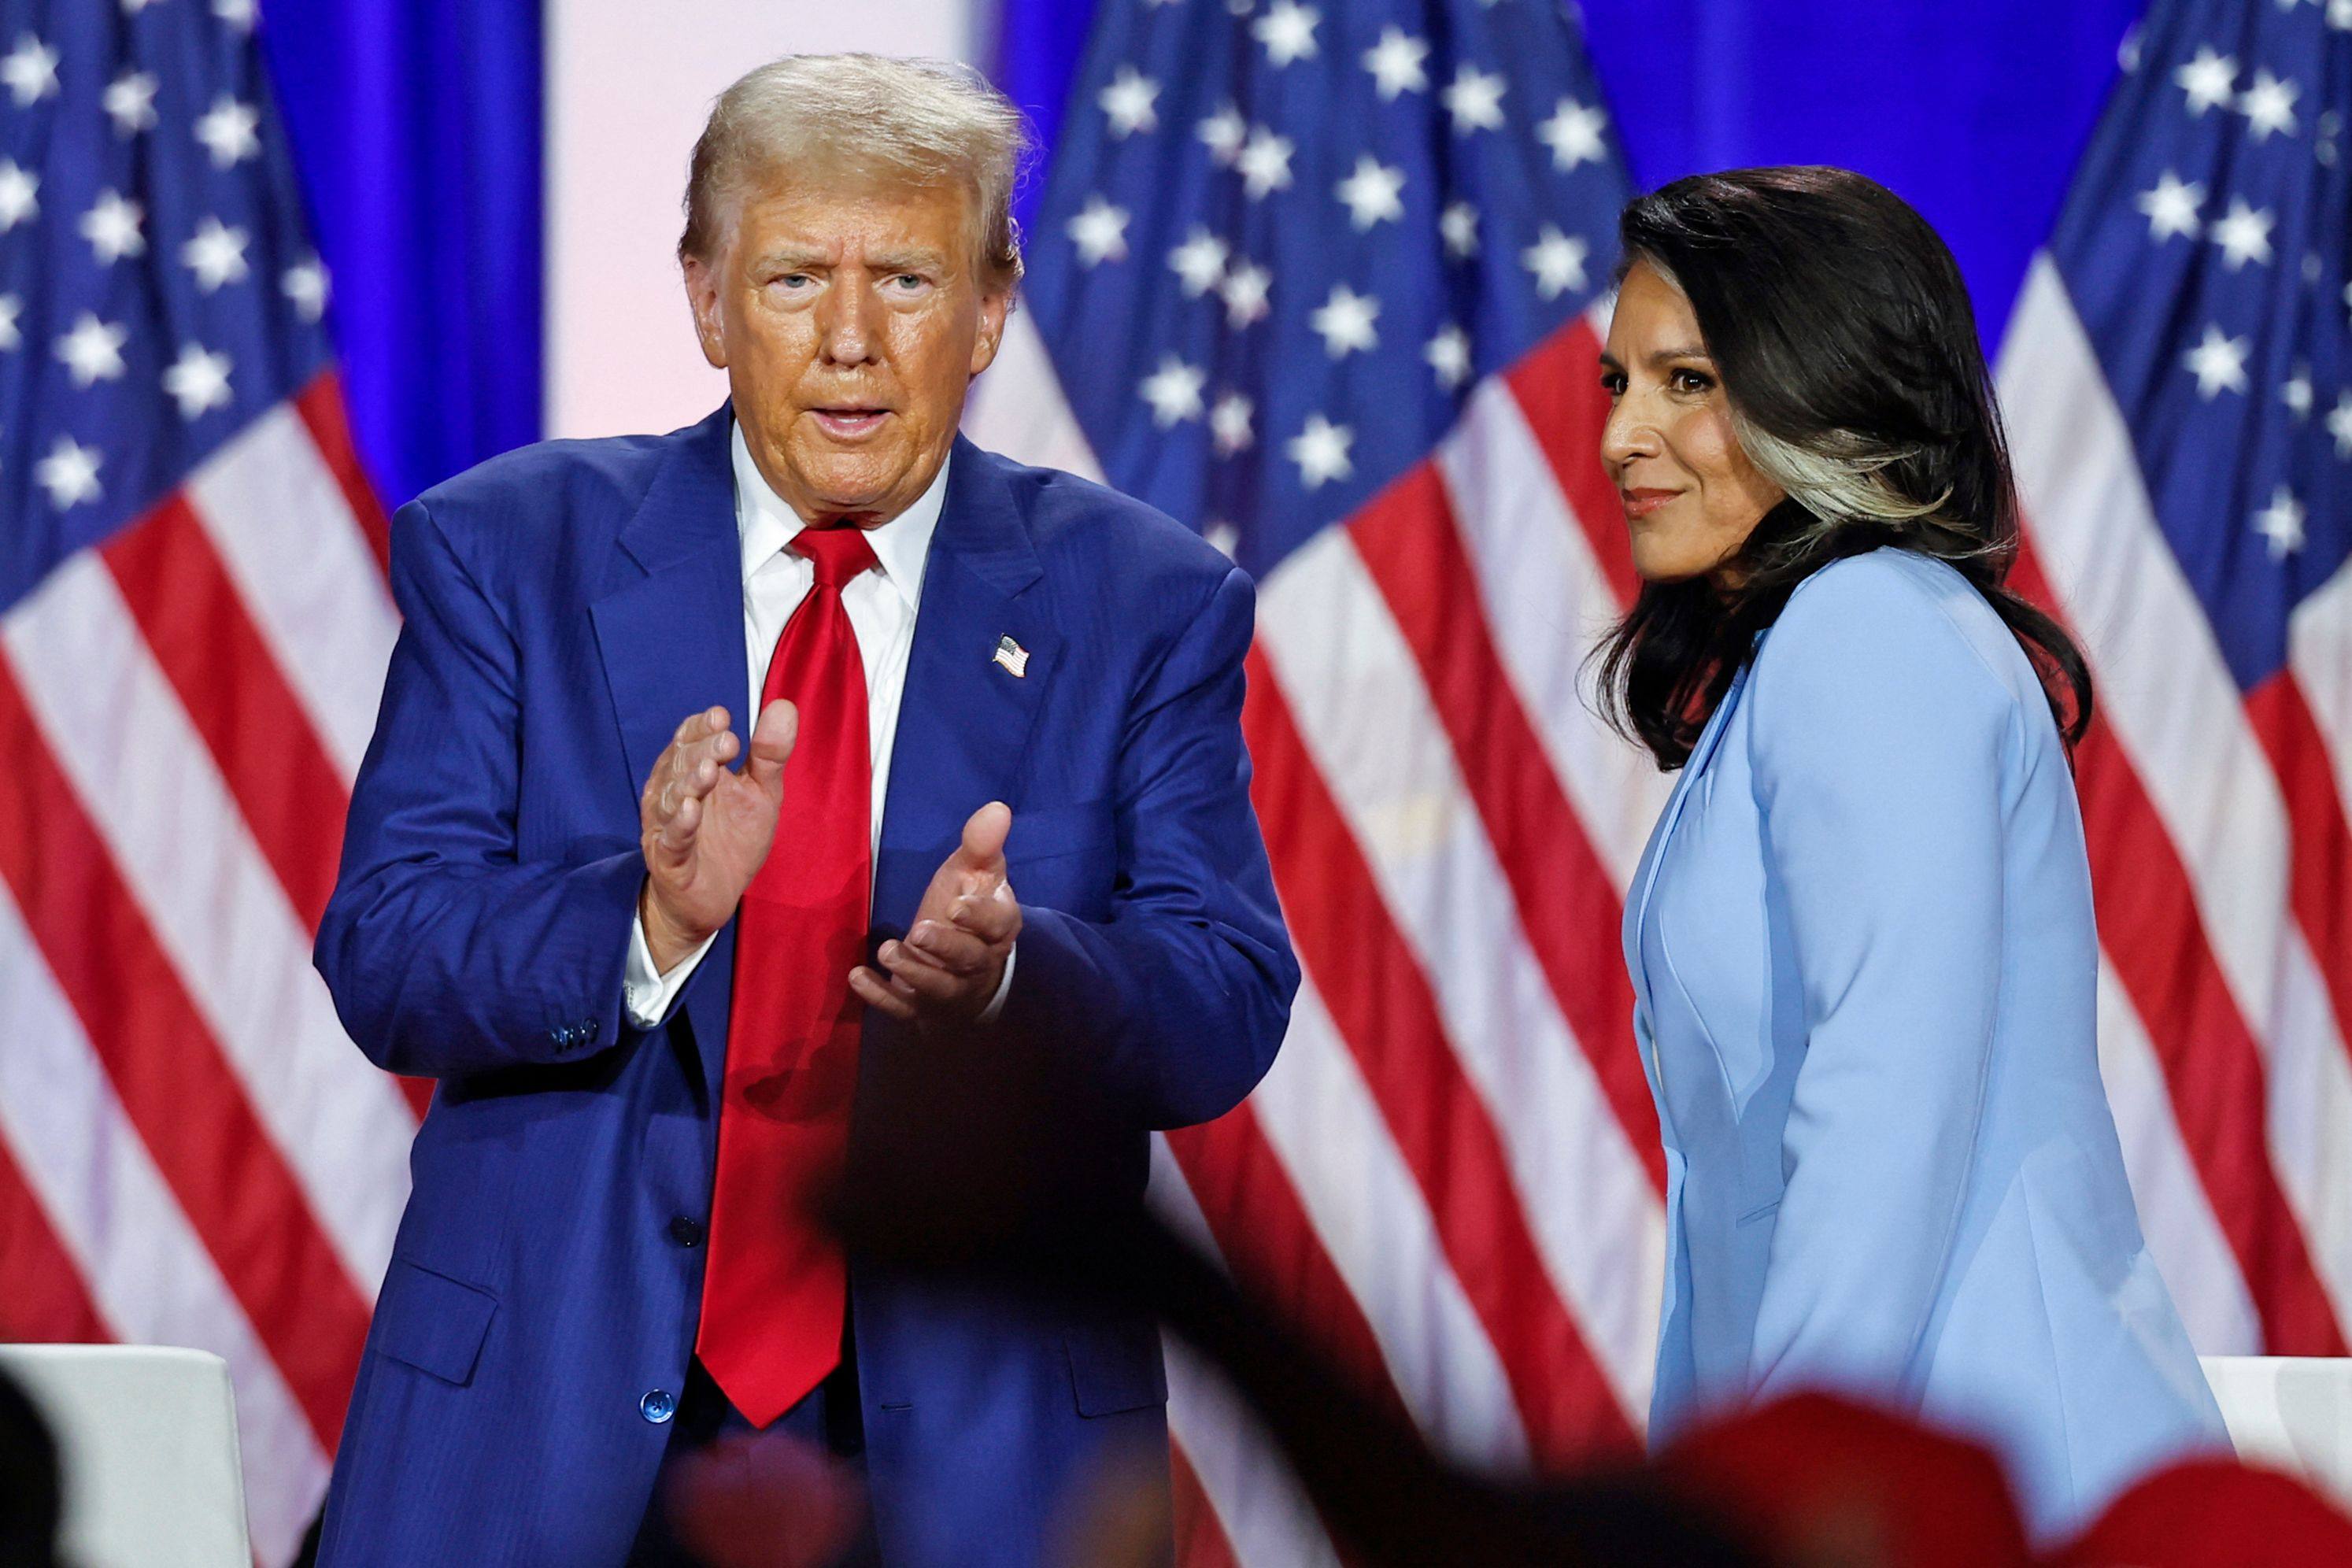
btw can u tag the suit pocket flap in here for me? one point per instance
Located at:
(1115, 1365)
(433, 1322)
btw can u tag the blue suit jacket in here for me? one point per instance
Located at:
(1865, 973)
(566, 606)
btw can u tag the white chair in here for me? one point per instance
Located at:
(147, 1445)
(2293, 1413)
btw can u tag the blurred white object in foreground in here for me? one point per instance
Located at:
(147, 1447)
(2291, 1412)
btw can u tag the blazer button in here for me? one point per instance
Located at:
(687, 1232)
(658, 1405)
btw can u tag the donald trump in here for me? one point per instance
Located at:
(724, 775)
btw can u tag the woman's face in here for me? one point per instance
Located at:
(1690, 494)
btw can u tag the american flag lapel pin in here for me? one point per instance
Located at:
(1012, 657)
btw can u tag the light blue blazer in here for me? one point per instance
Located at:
(1864, 966)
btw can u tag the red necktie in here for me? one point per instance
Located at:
(775, 1289)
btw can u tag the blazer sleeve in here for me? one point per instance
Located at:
(1174, 1006)
(1877, 740)
(446, 956)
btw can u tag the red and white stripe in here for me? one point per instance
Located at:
(184, 1126)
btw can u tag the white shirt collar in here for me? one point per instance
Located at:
(766, 524)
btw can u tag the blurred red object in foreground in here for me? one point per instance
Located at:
(771, 1501)
(1817, 1479)
(2215, 1512)
(1820, 1479)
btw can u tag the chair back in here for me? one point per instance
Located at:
(147, 1452)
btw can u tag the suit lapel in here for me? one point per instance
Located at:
(1646, 875)
(964, 720)
(670, 632)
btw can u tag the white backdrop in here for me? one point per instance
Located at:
(627, 88)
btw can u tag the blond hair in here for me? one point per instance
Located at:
(862, 115)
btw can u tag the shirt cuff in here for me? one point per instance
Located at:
(651, 995)
(1003, 986)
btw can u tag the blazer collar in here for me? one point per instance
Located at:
(669, 630)
(1646, 875)
(970, 700)
(690, 506)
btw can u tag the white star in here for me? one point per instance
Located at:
(1244, 292)
(1474, 101)
(1265, 163)
(2268, 106)
(11, 307)
(1557, 260)
(1229, 421)
(1448, 354)
(1573, 134)
(306, 284)
(1344, 322)
(2218, 363)
(1320, 450)
(130, 103)
(2280, 522)
(19, 189)
(1288, 31)
(2207, 79)
(2171, 207)
(1395, 63)
(1127, 103)
(237, 14)
(2339, 425)
(93, 352)
(216, 256)
(113, 228)
(2244, 236)
(198, 380)
(1222, 135)
(2339, 15)
(30, 71)
(1099, 232)
(230, 130)
(1371, 194)
(1460, 227)
(1174, 391)
(132, 7)
(1224, 536)
(2296, 393)
(1200, 261)
(69, 473)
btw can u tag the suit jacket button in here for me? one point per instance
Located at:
(687, 1232)
(560, 1036)
(658, 1405)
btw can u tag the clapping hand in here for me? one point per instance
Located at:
(948, 969)
(706, 828)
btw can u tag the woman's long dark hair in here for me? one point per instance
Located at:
(1849, 356)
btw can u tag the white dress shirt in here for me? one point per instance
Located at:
(881, 606)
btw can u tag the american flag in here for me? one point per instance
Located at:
(194, 629)
(2177, 379)
(1326, 282)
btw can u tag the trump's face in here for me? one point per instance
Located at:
(850, 318)
(1690, 494)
